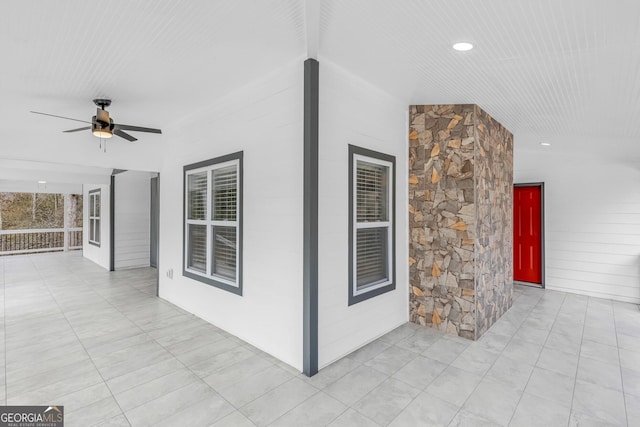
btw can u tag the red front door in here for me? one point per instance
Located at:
(527, 234)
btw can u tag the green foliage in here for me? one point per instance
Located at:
(19, 211)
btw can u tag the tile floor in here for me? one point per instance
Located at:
(113, 354)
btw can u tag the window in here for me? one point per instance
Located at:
(94, 217)
(213, 222)
(371, 224)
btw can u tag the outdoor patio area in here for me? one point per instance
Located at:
(104, 346)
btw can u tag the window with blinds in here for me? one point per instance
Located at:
(94, 217)
(212, 240)
(371, 224)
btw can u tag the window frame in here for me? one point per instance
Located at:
(208, 277)
(373, 157)
(96, 218)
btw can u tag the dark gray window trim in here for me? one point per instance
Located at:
(353, 150)
(209, 280)
(91, 193)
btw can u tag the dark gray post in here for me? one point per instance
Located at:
(310, 253)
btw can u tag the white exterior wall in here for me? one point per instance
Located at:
(132, 219)
(592, 221)
(264, 120)
(99, 255)
(354, 112)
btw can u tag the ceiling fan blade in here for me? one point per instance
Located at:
(136, 128)
(76, 130)
(124, 135)
(60, 117)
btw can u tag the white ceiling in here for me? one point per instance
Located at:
(562, 71)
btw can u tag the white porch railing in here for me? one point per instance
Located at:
(40, 240)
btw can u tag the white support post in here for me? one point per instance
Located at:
(65, 206)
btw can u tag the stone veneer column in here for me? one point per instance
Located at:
(460, 206)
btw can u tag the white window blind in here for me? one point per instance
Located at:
(371, 256)
(197, 196)
(371, 213)
(211, 223)
(224, 198)
(372, 198)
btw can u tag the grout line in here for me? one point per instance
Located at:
(575, 380)
(541, 350)
(84, 283)
(615, 329)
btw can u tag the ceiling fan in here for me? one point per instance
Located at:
(102, 126)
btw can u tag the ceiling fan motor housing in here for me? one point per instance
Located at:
(102, 124)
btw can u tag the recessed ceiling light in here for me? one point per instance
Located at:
(545, 144)
(463, 46)
(42, 182)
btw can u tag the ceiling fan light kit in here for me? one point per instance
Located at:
(102, 125)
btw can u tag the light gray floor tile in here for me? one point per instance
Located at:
(601, 352)
(599, 373)
(352, 418)
(511, 372)
(454, 385)
(631, 380)
(369, 351)
(633, 410)
(446, 350)
(251, 387)
(534, 411)
(235, 419)
(628, 342)
(420, 342)
(532, 334)
(493, 400)
(234, 374)
(563, 342)
(143, 375)
(386, 401)
(169, 404)
(630, 359)
(523, 351)
(117, 421)
(41, 395)
(476, 360)
(391, 360)
(465, 418)
(319, 410)
(558, 361)
(60, 304)
(221, 361)
(426, 410)
(153, 389)
(400, 333)
(494, 341)
(200, 413)
(354, 385)
(598, 403)
(420, 372)
(333, 372)
(82, 398)
(96, 413)
(278, 401)
(551, 385)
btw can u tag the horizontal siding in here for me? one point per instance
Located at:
(592, 220)
(132, 220)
